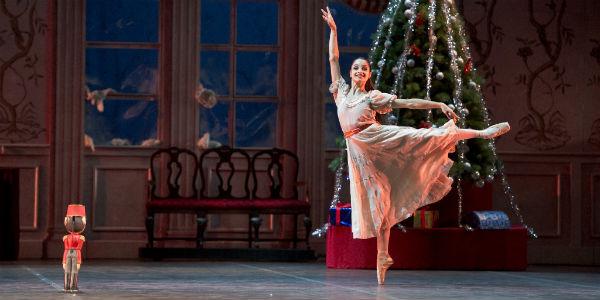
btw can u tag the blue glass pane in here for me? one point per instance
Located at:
(256, 73)
(122, 20)
(214, 21)
(123, 122)
(354, 27)
(215, 121)
(124, 70)
(257, 22)
(346, 60)
(214, 71)
(255, 124)
(332, 125)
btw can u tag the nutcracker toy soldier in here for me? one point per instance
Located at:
(73, 242)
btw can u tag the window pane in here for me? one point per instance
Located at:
(215, 121)
(256, 73)
(332, 125)
(214, 21)
(124, 70)
(257, 22)
(255, 124)
(123, 122)
(214, 71)
(122, 20)
(354, 27)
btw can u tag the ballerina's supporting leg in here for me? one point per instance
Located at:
(384, 261)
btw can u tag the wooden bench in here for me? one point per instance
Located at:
(230, 182)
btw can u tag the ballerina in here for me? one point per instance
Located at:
(393, 170)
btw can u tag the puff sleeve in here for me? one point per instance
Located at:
(337, 86)
(381, 102)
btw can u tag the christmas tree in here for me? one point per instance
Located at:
(420, 50)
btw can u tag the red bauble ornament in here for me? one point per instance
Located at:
(415, 50)
(420, 20)
(468, 66)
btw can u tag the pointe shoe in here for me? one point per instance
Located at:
(495, 131)
(383, 264)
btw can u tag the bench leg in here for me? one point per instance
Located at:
(150, 229)
(250, 231)
(201, 222)
(256, 222)
(308, 227)
(295, 241)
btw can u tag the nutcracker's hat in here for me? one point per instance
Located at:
(76, 210)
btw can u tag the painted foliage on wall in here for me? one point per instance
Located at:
(20, 70)
(483, 33)
(543, 127)
(593, 82)
(541, 62)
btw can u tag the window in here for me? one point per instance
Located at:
(355, 30)
(240, 61)
(121, 71)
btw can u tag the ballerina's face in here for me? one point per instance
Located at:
(360, 71)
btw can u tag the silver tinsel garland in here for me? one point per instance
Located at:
(395, 6)
(401, 65)
(339, 175)
(430, 51)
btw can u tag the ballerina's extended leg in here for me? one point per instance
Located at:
(491, 132)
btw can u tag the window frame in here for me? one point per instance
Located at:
(232, 98)
(163, 25)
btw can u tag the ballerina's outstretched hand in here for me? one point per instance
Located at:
(449, 112)
(327, 17)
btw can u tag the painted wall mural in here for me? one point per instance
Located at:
(594, 82)
(21, 70)
(543, 127)
(483, 33)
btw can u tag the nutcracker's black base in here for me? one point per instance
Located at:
(239, 254)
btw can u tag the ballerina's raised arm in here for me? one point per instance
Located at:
(334, 53)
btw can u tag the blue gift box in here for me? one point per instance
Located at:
(341, 215)
(488, 219)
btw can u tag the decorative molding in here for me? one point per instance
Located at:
(559, 201)
(36, 192)
(594, 232)
(99, 228)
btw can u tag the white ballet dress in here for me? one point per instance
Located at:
(393, 170)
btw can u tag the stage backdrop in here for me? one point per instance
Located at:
(541, 60)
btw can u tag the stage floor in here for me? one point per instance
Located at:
(249, 280)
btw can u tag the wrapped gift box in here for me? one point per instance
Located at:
(426, 218)
(488, 219)
(341, 215)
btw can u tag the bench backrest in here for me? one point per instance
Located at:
(177, 161)
(281, 174)
(228, 164)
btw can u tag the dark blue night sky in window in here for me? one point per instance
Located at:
(257, 22)
(215, 24)
(124, 70)
(131, 121)
(122, 20)
(355, 28)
